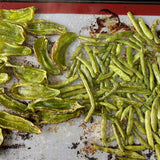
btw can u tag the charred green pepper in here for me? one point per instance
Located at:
(54, 104)
(4, 78)
(32, 91)
(60, 47)
(12, 103)
(53, 117)
(43, 27)
(19, 15)
(41, 51)
(12, 33)
(10, 121)
(7, 49)
(30, 74)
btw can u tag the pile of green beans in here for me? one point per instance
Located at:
(121, 77)
(117, 75)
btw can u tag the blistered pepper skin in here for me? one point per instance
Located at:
(54, 104)
(41, 51)
(10, 121)
(59, 49)
(19, 15)
(30, 74)
(4, 78)
(52, 117)
(7, 49)
(32, 91)
(43, 27)
(12, 33)
(13, 104)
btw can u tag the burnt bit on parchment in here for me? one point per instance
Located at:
(12, 146)
(148, 155)
(91, 158)
(25, 136)
(109, 23)
(75, 145)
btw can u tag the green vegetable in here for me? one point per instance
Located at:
(53, 117)
(131, 154)
(90, 94)
(7, 49)
(104, 126)
(118, 36)
(157, 149)
(148, 128)
(66, 82)
(4, 78)
(10, 121)
(19, 15)
(41, 51)
(30, 74)
(130, 121)
(54, 104)
(119, 141)
(1, 136)
(144, 28)
(32, 91)
(60, 47)
(43, 27)
(76, 52)
(153, 30)
(154, 111)
(11, 103)
(12, 33)
(119, 72)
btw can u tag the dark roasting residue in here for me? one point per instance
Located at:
(12, 146)
(109, 23)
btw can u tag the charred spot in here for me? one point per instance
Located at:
(109, 156)
(13, 146)
(108, 24)
(148, 155)
(85, 142)
(113, 15)
(24, 102)
(158, 33)
(25, 136)
(92, 158)
(92, 120)
(74, 145)
(81, 138)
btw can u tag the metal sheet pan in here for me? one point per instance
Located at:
(71, 140)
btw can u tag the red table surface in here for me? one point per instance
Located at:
(86, 8)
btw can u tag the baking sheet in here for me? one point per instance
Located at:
(71, 140)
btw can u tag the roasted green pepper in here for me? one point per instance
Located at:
(54, 104)
(12, 33)
(32, 91)
(4, 78)
(1, 136)
(53, 117)
(43, 27)
(7, 49)
(2, 64)
(10, 121)
(60, 47)
(41, 51)
(12, 103)
(19, 15)
(30, 74)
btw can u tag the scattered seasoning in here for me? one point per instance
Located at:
(75, 145)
